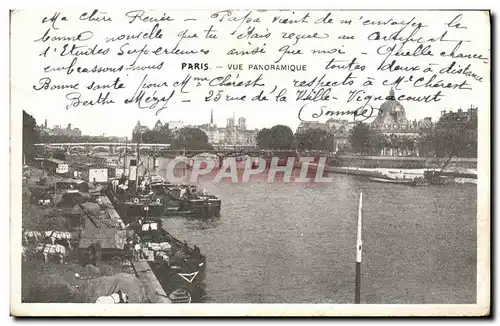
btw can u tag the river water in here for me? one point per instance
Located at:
(295, 243)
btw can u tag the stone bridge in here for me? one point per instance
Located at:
(162, 149)
(103, 147)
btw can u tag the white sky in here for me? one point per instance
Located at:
(118, 119)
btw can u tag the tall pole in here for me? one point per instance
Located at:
(137, 163)
(359, 247)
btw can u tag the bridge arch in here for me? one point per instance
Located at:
(76, 148)
(101, 148)
(122, 148)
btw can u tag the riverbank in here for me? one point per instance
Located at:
(463, 174)
(72, 280)
(403, 162)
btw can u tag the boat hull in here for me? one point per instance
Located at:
(393, 181)
(178, 272)
(130, 212)
(199, 208)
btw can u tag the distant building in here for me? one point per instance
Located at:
(175, 125)
(400, 134)
(393, 121)
(305, 125)
(242, 124)
(341, 129)
(57, 130)
(454, 119)
(230, 123)
(158, 126)
(139, 129)
(232, 135)
(425, 124)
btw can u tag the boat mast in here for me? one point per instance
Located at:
(125, 157)
(184, 158)
(138, 158)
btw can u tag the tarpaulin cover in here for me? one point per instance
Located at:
(107, 285)
(92, 209)
(109, 238)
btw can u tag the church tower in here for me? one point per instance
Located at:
(212, 117)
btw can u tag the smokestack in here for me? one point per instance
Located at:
(133, 170)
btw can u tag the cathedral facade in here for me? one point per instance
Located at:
(235, 134)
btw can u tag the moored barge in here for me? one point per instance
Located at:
(175, 264)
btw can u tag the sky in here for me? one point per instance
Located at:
(118, 119)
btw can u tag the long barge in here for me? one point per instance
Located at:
(161, 199)
(175, 264)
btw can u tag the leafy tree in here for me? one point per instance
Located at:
(452, 142)
(315, 139)
(451, 137)
(191, 138)
(264, 138)
(365, 140)
(153, 137)
(30, 136)
(278, 137)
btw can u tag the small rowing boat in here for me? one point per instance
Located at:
(180, 296)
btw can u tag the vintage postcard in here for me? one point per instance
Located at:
(250, 162)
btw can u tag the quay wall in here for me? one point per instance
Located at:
(154, 290)
(402, 162)
(353, 171)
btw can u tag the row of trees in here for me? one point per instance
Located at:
(443, 141)
(365, 140)
(451, 139)
(282, 137)
(446, 139)
(163, 135)
(184, 138)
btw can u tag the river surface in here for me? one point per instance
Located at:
(296, 243)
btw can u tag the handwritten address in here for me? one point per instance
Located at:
(317, 64)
